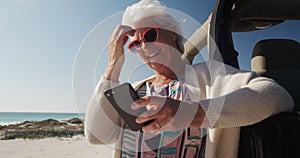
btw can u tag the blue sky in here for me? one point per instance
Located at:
(39, 42)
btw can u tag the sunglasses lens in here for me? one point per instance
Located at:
(151, 35)
(135, 44)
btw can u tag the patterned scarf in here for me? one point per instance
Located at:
(184, 143)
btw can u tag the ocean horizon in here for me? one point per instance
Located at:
(18, 117)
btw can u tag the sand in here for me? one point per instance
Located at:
(75, 147)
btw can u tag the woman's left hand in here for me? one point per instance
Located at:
(166, 113)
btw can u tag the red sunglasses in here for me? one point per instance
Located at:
(149, 35)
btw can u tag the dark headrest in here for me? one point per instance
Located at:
(279, 59)
(280, 54)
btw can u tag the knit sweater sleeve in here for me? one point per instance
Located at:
(243, 98)
(102, 122)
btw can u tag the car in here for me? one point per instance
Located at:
(277, 58)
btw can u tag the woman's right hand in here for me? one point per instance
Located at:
(116, 52)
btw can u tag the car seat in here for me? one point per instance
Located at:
(278, 136)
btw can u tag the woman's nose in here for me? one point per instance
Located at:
(147, 46)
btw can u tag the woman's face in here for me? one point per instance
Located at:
(161, 54)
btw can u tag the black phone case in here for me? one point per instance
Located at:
(121, 97)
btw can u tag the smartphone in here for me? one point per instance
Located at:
(121, 98)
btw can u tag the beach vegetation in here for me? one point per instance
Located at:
(42, 129)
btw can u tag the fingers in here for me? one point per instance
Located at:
(144, 101)
(158, 120)
(125, 40)
(147, 116)
(163, 116)
(169, 114)
(154, 125)
(161, 112)
(153, 101)
(116, 57)
(121, 34)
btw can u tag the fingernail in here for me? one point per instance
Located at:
(137, 121)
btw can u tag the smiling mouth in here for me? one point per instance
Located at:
(153, 54)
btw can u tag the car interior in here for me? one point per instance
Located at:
(277, 136)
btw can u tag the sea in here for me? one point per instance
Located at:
(18, 117)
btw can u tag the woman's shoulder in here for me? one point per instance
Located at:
(209, 64)
(209, 67)
(213, 69)
(217, 66)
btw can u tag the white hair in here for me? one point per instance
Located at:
(159, 15)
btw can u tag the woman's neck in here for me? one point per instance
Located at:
(161, 79)
(167, 77)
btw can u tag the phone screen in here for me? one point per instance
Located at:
(121, 97)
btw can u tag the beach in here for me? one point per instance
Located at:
(48, 138)
(75, 147)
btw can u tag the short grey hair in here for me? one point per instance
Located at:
(159, 15)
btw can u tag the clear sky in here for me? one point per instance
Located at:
(39, 42)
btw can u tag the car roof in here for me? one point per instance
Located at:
(249, 15)
(245, 15)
